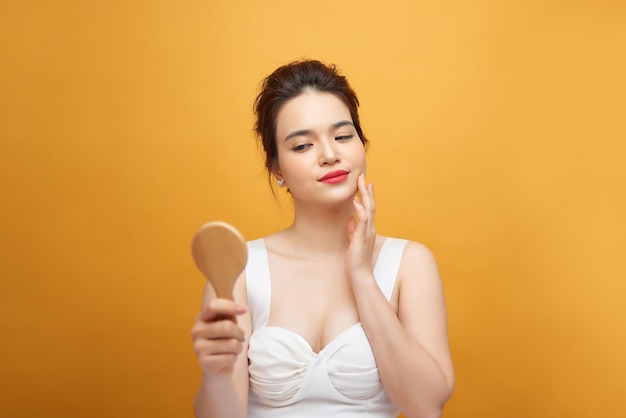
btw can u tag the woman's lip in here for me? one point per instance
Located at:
(335, 179)
(335, 175)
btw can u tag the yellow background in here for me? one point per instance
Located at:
(498, 139)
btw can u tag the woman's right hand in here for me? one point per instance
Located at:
(218, 340)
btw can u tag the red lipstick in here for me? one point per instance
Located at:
(336, 176)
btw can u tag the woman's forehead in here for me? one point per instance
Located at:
(311, 110)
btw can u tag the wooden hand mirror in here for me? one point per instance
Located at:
(220, 252)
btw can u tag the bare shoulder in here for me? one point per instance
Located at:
(276, 242)
(418, 258)
(418, 277)
(418, 250)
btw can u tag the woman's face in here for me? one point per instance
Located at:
(320, 154)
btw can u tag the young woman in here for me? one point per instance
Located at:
(342, 322)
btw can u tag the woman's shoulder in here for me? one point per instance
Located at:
(418, 267)
(414, 252)
(267, 240)
(411, 247)
(273, 243)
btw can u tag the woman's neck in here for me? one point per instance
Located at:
(321, 229)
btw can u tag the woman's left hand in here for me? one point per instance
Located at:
(362, 233)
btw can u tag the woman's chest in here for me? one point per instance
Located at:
(314, 300)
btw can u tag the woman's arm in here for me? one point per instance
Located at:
(411, 348)
(221, 350)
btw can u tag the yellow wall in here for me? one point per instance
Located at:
(497, 132)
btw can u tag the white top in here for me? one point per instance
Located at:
(288, 379)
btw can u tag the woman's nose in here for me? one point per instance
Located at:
(329, 153)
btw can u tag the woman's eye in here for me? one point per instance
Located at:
(301, 147)
(343, 137)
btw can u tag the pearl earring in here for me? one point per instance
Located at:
(281, 182)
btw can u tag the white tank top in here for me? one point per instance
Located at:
(289, 380)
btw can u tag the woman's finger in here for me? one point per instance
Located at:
(366, 193)
(372, 201)
(219, 309)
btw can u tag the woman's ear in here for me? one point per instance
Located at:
(276, 171)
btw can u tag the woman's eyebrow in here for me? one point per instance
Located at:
(341, 123)
(305, 132)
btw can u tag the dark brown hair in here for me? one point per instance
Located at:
(289, 81)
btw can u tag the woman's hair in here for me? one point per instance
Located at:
(289, 81)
